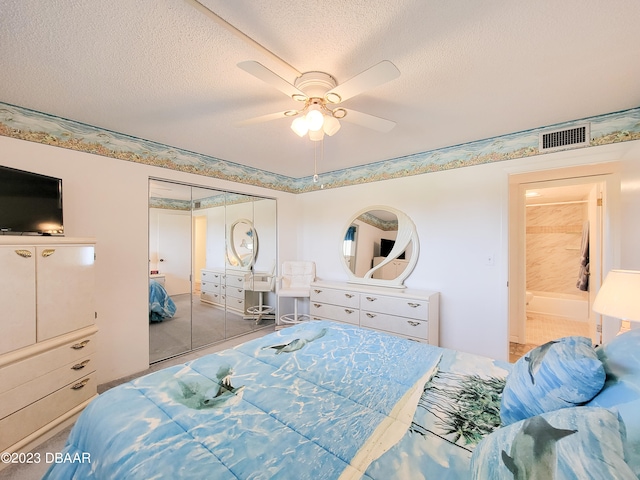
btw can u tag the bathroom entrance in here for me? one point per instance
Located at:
(559, 241)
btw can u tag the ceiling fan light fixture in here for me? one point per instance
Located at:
(316, 135)
(299, 126)
(315, 120)
(331, 125)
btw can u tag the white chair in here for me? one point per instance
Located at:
(261, 284)
(295, 282)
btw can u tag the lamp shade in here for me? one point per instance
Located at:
(299, 125)
(619, 295)
(314, 119)
(331, 125)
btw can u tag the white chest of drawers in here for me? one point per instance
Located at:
(407, 313)
(223, 288)
(47, 349)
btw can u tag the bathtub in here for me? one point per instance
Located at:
(575, 307)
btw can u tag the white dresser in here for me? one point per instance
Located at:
(47, 347)
(222, 288)
(408, 313)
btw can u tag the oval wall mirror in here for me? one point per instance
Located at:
(379, 247)
(242, 244)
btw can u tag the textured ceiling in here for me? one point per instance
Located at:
(161, 70)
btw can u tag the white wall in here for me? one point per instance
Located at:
(107, 199)
(462, 220)
(460, 214)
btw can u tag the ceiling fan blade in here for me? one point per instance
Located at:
(265, 118)
(370, 121)
(383, 72)
(263, 73)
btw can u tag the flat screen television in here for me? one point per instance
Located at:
(30, 203)
(385, 248)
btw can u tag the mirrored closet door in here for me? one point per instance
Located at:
(212, 257)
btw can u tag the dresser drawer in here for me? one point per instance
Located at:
(334, 312)
(235, 303)
(39, 365)
(233, 291)
(29, 419)
(32, 391)
(210, 287)
(211, 297)
(234, 281)
(335, 297)
(408, 327)
(394, 305)
(209, 276)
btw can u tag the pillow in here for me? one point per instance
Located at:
(621, 393)
(559, 374)
(571, 443)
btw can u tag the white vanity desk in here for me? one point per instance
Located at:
(408, 313)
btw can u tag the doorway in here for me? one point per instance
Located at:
(558, 243)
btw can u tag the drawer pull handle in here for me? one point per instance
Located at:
(413, 305)
(48, 252)
(371, 315)
(317, 291)
(24, 253)
(412, 323)
(78, 346)
(349, 295)
(371, 299)
(79, 385)
(317, 305)
(349, 311)
(81, 365)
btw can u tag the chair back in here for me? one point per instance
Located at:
(297, 275)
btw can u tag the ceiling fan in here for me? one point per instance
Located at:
(319, 91)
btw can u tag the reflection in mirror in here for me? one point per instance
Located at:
(380, 247)
(243, 244)
(190, 229)
(169, 270)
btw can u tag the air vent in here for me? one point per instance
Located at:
(565, 139)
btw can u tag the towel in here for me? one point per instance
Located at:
(583, 275)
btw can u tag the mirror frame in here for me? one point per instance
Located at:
(231, 248)
(407, 233)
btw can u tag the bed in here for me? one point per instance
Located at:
(161, 306)
(323, 400)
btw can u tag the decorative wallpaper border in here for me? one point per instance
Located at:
(215, 200)
(384, 225)
(24, 124)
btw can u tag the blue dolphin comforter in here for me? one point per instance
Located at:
(316, 401)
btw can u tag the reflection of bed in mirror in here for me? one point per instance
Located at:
(191, 229)
(161, 306)
(379, 247)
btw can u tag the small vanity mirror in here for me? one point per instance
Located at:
(379, 247)
(242, 244)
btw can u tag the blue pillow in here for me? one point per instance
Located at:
(559, 374)
(621, 393)
(571, 443)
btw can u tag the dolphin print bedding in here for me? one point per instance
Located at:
(319, 400)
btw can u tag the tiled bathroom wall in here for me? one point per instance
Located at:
(554, 238)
